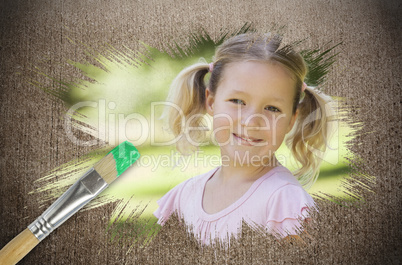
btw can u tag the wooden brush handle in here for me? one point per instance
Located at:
(17, 248)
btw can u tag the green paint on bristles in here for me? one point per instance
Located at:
(125, 154)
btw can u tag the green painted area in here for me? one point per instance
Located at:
(125, 154)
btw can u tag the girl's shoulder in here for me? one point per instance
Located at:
(197, 182)
(192, 185)
(282, 185)
(179, 196)
(273, 183)
(287, 205)
(280, 177)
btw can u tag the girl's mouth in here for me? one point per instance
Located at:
(247, 139)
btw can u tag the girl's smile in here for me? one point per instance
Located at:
(246, 140)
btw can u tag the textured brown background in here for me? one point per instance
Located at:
(33, 140)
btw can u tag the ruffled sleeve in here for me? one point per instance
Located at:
(169, 203)
(286, 209)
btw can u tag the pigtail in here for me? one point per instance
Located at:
(308, 139)
(187, 93)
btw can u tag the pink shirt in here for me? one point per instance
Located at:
(273, 201)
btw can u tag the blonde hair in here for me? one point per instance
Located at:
(310, 132)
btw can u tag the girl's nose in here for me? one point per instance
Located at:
(253, 118)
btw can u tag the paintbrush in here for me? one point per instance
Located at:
(79, 194)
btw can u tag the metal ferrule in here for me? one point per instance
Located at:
(79, 194)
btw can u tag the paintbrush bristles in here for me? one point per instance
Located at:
(106, 168)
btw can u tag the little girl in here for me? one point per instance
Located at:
(256, 95)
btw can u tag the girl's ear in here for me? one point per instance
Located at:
(293, 120)
(209, 102)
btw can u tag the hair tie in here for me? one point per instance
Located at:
(304, 87)
(211, 67)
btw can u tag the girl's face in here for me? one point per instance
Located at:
(252, 111)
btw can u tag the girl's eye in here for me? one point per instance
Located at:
(273, 109)
(237, 101)
(269, 108)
